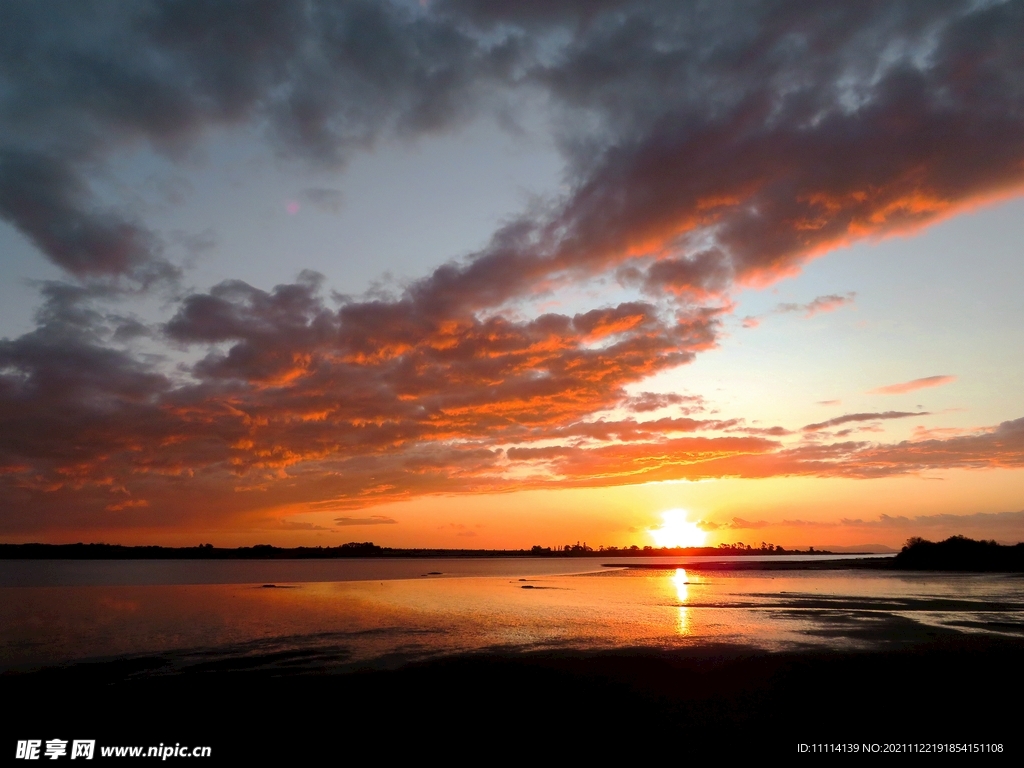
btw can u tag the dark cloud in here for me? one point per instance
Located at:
(765, 431)
(857, 417)
(708, 146)
(721, 142)
(779, 130)
(84, 79)
(653, 401)
(49, 202)
(371, 520)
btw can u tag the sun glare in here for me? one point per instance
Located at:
(677, 531)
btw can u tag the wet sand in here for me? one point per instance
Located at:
(722, 700)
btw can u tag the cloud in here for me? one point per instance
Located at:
(371, 520)
(858, 417)
(295, 525)
(720, 144)
(911, 386)
(812, 308)
(324, 200)
(975, 521)
(48, 200)
(765, 154)
(820, 304)
(707, 149)
(129, 504)
(653, 401)
(764, 431)
(1007, 526)
(321, 79)
(737, 523)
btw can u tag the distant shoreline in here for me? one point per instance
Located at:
(955, 554)
(366, 549)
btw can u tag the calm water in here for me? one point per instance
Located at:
(354, 613)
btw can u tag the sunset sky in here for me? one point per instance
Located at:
(479, 274)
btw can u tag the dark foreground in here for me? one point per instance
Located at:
(724, 701)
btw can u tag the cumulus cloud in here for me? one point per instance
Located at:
(724, 142)
(707, 147)
(84, 81)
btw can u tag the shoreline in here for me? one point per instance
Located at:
(369, 552)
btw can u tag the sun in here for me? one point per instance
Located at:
(677, 531)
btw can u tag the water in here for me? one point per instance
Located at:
(355, 613)
(67, 573)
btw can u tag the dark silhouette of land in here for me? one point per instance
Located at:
(715, 701)
(202, 552)
(359, 549)
(959, 553)
(956, 553)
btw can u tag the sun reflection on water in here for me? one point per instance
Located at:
(681, 582)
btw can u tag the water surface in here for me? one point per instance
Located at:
(355, 613)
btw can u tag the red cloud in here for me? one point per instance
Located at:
(911, 386)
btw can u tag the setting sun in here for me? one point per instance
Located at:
(677, 531)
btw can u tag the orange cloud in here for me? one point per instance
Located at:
(693, 174)
(912, 386)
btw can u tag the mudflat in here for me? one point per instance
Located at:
(710, 700)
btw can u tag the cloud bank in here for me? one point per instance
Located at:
(706, 148)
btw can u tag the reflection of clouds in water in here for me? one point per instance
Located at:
(387, 620)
